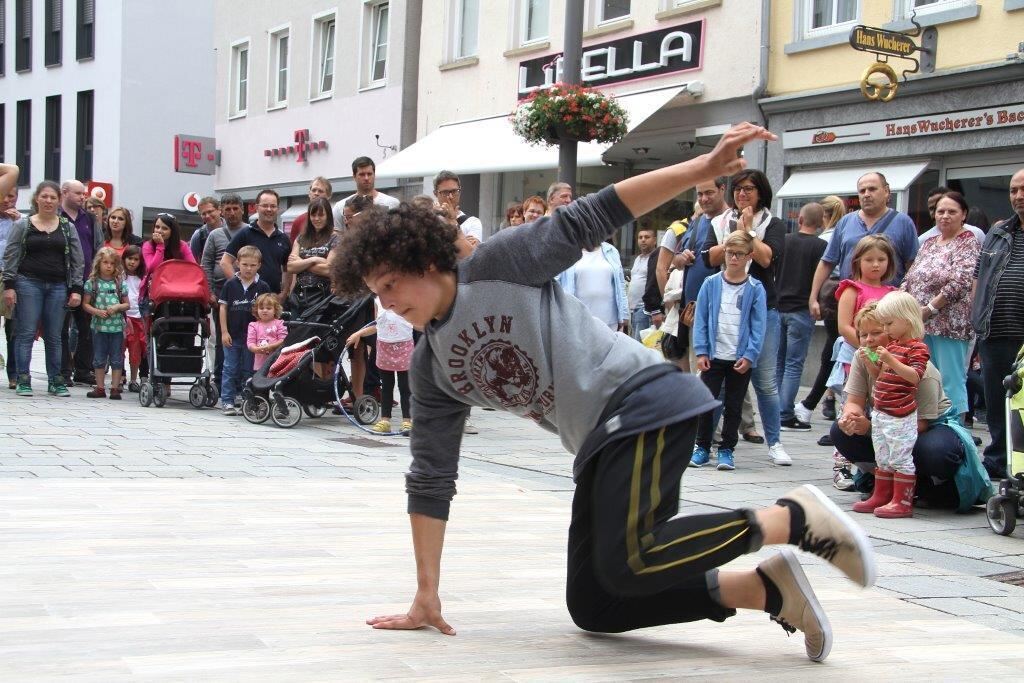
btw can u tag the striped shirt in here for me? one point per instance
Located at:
(729, 319)
(894, 395)
(1006, 321)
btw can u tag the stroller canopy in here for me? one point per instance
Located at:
(178, 281)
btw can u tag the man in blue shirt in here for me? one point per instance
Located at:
(274, 245)
(874, 218)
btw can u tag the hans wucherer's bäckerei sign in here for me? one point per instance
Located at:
(668, 50)
(910, 127)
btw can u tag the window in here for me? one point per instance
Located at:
(467, 26)
(23, 36)
(3, 43)
(533, 21)
(379, 58)
(610, 10)
(85, 35)
(51, 164)
(827, 14)
(54, 23)
(239, 85)
(931, 12)
(821, 23)
(23, 143)
(83, 136)
(278, 86)
(323, 45)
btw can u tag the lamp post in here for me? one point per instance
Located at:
(572, 55)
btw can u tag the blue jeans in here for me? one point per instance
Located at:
(44, 302)
(794, 339)
(108, 350)
(237, 369)
(764, 380)
(638, 322)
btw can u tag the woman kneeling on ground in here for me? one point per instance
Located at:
(949, 472)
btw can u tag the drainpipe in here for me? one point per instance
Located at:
(762, 84)
(410, 73)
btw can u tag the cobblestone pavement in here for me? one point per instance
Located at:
(937, 560)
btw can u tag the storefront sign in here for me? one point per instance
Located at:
(668, 50)
(302, 146)
(101, 191)
(194, 155)
(910, 127)
(879, 41)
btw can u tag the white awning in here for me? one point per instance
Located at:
(489, 146)
(843, 181)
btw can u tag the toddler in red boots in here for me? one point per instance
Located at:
(898, 370)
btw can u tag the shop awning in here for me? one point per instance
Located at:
(843, 181)
(488, 145)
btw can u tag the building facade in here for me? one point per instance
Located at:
(959, 126)
(673, 64)
(90, 90)
(305, 87)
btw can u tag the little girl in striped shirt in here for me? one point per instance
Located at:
(897, 372)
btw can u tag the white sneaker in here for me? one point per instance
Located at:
(468, 428)
(778, 455)
(802, 413)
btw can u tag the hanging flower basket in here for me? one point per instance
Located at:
(569, 112)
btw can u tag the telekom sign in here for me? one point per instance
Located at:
(194, 155)
(302, 147)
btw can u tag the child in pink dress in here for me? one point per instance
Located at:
(267, 332)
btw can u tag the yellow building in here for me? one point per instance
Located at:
(961, 125)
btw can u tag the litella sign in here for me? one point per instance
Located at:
(665, 51)
(194, 155)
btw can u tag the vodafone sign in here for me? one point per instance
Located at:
(191, 201)
(910, 127)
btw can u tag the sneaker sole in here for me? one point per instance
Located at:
(860, 538)
(812, 601)
(698, 465)
(725, 468)
(795, 429)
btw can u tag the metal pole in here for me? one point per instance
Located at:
(572, 56)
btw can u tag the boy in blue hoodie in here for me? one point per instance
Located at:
(728, 330)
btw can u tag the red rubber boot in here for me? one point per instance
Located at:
(902, 503)
(881, 495)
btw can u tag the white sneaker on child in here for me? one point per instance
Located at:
(802, 413)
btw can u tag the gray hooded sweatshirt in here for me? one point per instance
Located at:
(513, 340)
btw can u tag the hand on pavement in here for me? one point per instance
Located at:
(425, 611)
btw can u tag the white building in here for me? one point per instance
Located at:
(100, 91)
(306, 86)
(683, 69)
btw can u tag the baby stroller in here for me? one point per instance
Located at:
(286, 385)
(178, 302)
(1004, 507)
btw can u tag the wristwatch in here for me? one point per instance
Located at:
(932, 309)
(752, 233)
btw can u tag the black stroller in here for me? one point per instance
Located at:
(178, 329)
(286, 385)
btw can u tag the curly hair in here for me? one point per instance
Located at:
(407, 239)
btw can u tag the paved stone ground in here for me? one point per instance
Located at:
(933, 574)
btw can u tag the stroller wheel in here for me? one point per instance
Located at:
(256, 409)
(1002, 514)
(212, 395)
(315, 411)
(160, 391)
(366, 409)
(289, 416)
(145, 394)
(197, 395)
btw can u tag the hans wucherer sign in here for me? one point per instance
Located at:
(910, 127)
(665, 51)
